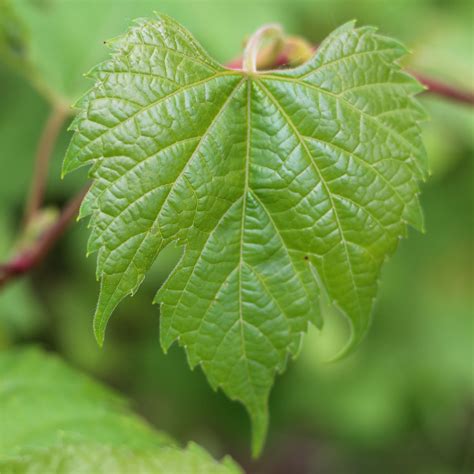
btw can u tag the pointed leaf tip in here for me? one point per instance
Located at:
(259, 421)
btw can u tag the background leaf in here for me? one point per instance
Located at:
(57, 420)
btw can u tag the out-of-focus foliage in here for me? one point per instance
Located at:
(52, 35)
(403, 402)
(57, 420)
(85, 458)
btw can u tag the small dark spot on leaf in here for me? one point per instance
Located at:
(306, 257)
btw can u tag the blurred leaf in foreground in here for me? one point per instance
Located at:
(57, 420)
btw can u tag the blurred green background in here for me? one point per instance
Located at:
(403, 402)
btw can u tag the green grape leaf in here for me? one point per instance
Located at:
(83, 458)
(41, 399)
(54, 419)
(280, 187)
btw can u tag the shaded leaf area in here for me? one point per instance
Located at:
(55, 419)
(277, 185)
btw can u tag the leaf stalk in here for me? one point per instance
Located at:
(262, 48)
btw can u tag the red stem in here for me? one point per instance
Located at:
(31, 257)
(442, 89)
(434, 86)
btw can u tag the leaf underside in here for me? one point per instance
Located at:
(279, 186)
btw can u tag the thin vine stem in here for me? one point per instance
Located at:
(272, 34)
(29, 258)
(45, 148)
(445, 90)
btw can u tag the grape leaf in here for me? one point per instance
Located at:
(84, 458)
(280, 186)
(54, 419)
(78, 458)
(41, 399)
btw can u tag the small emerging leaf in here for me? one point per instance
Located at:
(278, 185)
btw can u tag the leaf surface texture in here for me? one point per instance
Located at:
(279, 186)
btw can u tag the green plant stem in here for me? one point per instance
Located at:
(255, 55)
(45, 148)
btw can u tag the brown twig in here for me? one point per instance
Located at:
(28, 259)
(45, 148)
